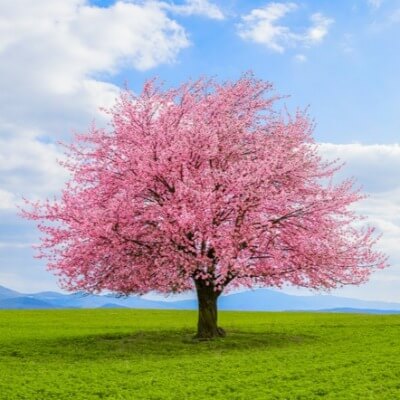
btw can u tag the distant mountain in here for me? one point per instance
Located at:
(24, 303)
(6, 293)
(253, 300)
(271, 300)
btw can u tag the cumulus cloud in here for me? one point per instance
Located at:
(262, 26)
(58, 61)
(28, 167)
(318, 29)
(90, 39)
(374, 166)
(383, 212)
(196, 7)
(7, 200)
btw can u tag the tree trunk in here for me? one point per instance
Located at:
(207, 327)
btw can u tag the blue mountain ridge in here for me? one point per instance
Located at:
(8, 293)
(24, 303)
(252, 300)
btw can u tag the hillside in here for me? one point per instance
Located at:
(252, 300)
(25, 303)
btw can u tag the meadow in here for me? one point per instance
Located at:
(142, 354)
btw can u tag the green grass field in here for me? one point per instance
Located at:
(137, 354)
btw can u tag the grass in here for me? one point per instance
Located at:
(138, 354)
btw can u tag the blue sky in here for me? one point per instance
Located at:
(348, 77)
(339, 58)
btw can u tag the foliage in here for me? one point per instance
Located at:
(205, 183)
(137, 354)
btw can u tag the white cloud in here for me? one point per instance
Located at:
(262, 26)
(374, 166)
(196, 7)
(7, 200)
(28, 168)
(383, 212)
(318, 29)
(91, 39)
(59, 61)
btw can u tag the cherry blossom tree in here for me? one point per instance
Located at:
(203, 187)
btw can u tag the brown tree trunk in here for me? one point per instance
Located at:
(207, 327)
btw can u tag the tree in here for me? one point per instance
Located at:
(204, 186)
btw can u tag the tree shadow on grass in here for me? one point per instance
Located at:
(149, 344)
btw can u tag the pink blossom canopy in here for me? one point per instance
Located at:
(203, 182)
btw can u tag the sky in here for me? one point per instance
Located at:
(62, 60)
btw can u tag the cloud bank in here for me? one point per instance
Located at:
(262, 26)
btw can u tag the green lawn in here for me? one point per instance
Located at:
(137, 354)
